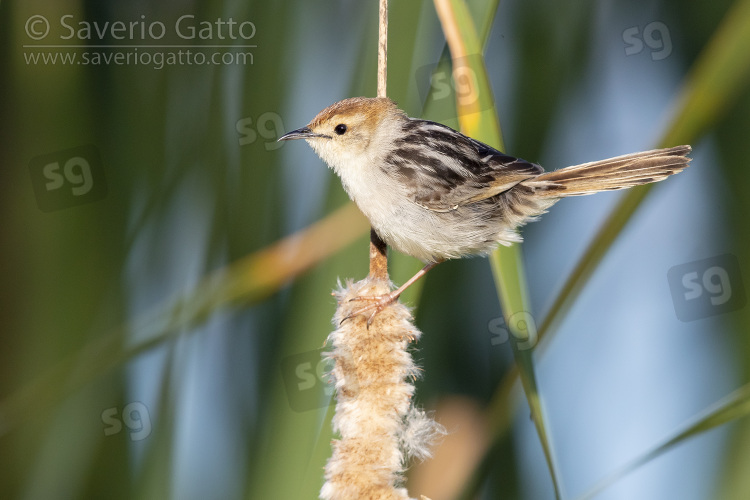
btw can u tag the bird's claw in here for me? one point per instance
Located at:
(377, 305)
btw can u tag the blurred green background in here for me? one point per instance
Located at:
(163, 309)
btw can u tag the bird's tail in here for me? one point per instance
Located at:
(619, 172)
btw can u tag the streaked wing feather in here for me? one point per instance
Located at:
(455, 169)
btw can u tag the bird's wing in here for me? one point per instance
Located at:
(454, 169)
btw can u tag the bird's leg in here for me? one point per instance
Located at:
(380, 302)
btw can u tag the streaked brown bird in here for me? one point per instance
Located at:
(436, 194)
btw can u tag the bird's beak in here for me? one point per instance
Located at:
(300, 133)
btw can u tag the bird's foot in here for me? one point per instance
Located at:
(377, 303)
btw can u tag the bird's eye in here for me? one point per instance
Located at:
(340, 129)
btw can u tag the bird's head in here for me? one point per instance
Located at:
(350, 132)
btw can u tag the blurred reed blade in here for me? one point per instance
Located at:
(715, 80)
(247, 280)
(732, 407)
(483, 14)
(478, 119)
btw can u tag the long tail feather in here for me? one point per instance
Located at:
(614, 173)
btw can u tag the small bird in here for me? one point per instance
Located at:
(436, 194)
